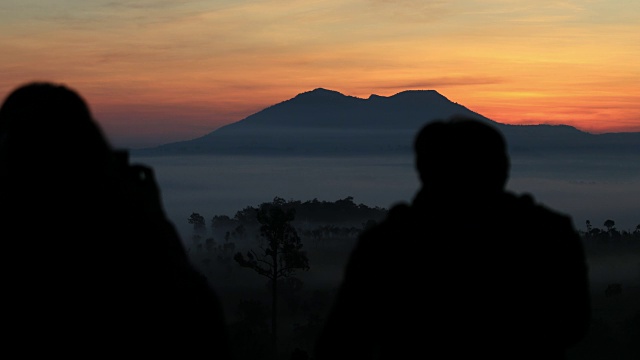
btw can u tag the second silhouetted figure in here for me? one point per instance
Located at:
(466, 270)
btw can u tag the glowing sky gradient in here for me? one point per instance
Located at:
(157, 71)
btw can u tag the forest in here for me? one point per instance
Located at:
(276, 268)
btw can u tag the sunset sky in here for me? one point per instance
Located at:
(158, 71)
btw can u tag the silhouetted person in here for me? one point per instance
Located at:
(467, 270)
(92, 266)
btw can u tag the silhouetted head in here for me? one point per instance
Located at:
(49, 125)
(461, 155)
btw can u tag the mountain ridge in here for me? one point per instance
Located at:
(326, 122)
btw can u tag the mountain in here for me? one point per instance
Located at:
(326, 122)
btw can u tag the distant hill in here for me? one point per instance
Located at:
(326, 122)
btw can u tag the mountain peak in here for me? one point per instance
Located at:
(320, 92)
(412, 95)
(323, 93)
(420, 94)
(376, 97)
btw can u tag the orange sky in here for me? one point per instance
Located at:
(157, 71)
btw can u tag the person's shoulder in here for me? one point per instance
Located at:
(397, 217)
(374, 241)
(399, 211)
(527, 204)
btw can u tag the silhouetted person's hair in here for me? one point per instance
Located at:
(49, 116)
(463, 154)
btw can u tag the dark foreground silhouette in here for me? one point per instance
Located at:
(429, 281)
(91, 264)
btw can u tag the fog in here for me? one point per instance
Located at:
(587, 189)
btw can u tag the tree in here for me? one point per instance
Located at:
(197, 221)
(282, 256)
(199, 228)
(609, 224)
(613, 233)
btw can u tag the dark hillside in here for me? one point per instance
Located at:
(326, 122)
